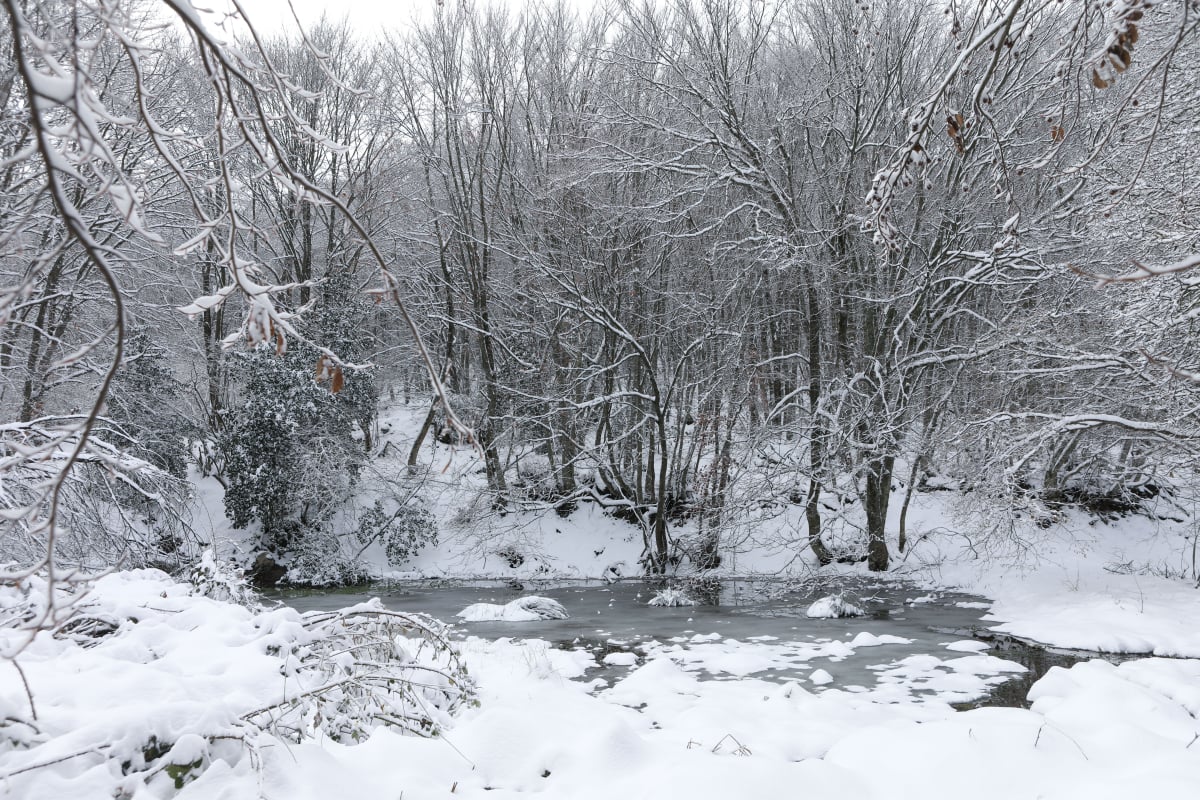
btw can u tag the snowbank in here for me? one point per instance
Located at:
(1081, 584)
(148, 686)
(1094, 731)
(127, 713)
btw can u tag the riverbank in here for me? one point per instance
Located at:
(1123, 584)
(156, 705)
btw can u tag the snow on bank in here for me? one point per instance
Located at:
(149, 686)
(182, 669)
(1082, 583)
(1096, 731)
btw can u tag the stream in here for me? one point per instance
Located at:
(762, 616)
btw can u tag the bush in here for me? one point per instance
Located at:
(403, 533)
(320, 560)
(289, 451)
(221, 581)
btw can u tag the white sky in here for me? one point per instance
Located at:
(369, 16)
(364, 14)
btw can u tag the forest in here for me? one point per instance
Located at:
(717, 288)
(677, 260)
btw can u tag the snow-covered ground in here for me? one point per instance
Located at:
(1095, 731)
(163, 699)
(158, 706)
(1081, 583)
(166, 696)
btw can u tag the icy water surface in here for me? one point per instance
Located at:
(775, 640)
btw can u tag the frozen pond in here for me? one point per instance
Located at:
(908, 635)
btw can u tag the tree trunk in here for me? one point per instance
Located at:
(876, 499)
(421, 434)
(816, 444)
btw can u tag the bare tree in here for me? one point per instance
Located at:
(64, 54)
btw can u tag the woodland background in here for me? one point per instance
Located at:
(678, 259)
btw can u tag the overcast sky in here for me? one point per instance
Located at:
(366, 15)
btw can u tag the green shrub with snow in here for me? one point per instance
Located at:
(289, 451)
(403, 532)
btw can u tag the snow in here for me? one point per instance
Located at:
(833, 607)
(820, 677)
(174, 679)
(750, 738)
(716, 656)
(183, 667)
(1079, 587)
(523, 609)
(621, 659)
(703, 715)
(671, 598)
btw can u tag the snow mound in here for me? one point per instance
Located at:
(671, 598)
(151, 686)
(523, 609)
(621, 659)
(820, 677)
(835, 606)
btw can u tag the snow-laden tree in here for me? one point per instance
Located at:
(1083, 116)
(652, 259)
(104, 171)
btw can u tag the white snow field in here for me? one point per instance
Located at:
(186, 670)
(158, 704)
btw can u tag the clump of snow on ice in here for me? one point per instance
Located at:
(953, 680)
(835, 606)
(523, 609)
(864, 639)
(671, 598)
(820, 677)
(623, 659)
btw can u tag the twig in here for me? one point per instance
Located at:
(28, 691)
(53, 761)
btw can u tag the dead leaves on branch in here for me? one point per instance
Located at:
(954, 128)
(328, 370)
(1118, 55)
(264, 324)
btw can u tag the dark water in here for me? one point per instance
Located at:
(605, 619)
(1037, 660)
